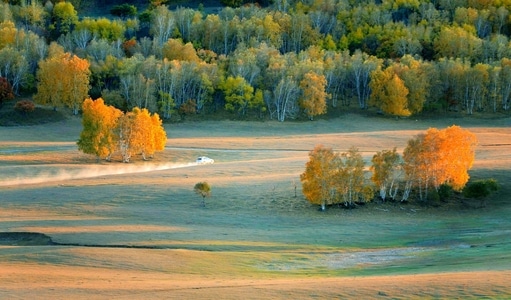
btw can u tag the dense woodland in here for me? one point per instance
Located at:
(280, 60)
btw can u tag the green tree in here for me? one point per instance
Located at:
(32, 15)
(458, 42)
(232, 3)
(318, 179)
(239, 95)
(103, 28)
(204, 190)
(124, 10)
(64, 17)
(360, 68)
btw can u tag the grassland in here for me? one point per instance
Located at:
(124, 231)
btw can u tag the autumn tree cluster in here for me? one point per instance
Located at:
(107, 130)
(332, 178)
(431, 160)
(287, 60)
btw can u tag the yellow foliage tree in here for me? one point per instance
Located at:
(385, 170)
(7, 33)
(389, 93)
(98, 136)
(63, 80)
(105, 129)
(175, 49)
(319, 176)
(140, 133)
(314, 96)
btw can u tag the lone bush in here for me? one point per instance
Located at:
(24, 106)
(480, 188)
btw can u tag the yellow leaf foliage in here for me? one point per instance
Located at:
(314, 96)
(99, 121)
(317, 180)
(63, 80)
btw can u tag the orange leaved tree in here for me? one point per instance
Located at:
(439, 157)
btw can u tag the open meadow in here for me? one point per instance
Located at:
(109, 230)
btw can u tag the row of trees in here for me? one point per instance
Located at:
(430, 161)
(388, 29)
(284, 63)
(107, 130)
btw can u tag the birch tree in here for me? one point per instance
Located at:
(162, 25)
(319, 176)
(314, 96)
(139, 132)
(284, 101)
(385, 170)
(361, 66)
(350, 180)
(63, 80)
(439, 157)
(98, 136)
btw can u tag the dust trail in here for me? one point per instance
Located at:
(31, 175)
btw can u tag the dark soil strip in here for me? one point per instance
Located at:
(25, 239)
(41, 239)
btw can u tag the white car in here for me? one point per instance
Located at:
(201, 160)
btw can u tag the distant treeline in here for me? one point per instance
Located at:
(284, 60)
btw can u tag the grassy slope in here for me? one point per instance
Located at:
(253, 226)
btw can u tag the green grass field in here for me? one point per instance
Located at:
(142, 221)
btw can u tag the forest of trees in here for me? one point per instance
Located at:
(285, 60)
(432, 165)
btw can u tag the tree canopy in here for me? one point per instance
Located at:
(430, 160)
(63, 80)
(302, 59)
(107, 130)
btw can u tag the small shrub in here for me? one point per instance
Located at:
(24, 106)
(433, 198)
(480, 188)
(188, 108)
(444, 192)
